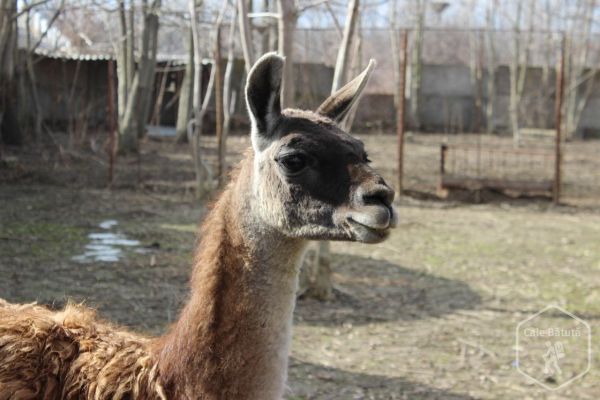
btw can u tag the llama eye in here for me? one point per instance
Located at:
(293, 164)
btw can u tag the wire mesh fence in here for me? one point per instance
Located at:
(490, 97)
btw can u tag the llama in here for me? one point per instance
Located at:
(302, 179)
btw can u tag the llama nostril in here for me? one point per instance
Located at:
(380, 194)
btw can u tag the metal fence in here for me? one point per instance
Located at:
(490, 99)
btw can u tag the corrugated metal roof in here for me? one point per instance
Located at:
(174, 59)
(64, 55)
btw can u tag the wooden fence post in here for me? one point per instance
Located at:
(560, 83)
(400, 115)
(112, 124)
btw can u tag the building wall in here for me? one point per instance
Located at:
(449, 98)
(70, 89)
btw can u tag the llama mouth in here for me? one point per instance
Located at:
(368, 234)
(393, 216)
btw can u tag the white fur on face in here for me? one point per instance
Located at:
(304, 219)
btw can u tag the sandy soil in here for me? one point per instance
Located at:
(429, 314)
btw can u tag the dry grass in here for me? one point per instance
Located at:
(430, 314)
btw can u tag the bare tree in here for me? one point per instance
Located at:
(416, 68)
(218, 102)
(355, 69)
(124, 55)
(229, 97)
(546, 89)
(341, 64)
(137, 107)
(518, 67)
(490, 46)
(184, 107)
(38, 117)
(268, 30)
(162, 87)
(9, 127)
(288, 19)
(395, 47)
(199, 107)
(476, 69)
(12, 60)
(245, 34)
(580, 78)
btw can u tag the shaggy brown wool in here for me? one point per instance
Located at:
(71, 355)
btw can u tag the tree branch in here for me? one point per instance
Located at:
(28, 8)
(264, 15)
(245, 35)
(315, 3)
(52, 20)
(335, 20)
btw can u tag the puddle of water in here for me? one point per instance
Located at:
(109, 223)
(107, 246)
(113, 239)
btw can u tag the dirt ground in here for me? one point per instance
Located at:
(429, 314)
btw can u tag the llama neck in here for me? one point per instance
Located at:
(232, 339)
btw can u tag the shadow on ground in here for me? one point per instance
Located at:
(319, 382)
(370, 290)
(143, 297)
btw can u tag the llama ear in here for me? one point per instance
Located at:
(338, 104)
(263, 97)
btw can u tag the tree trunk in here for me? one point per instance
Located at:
(580, 86)
(122, 64)
(147, 69)
(518, 70)
(315, 274)
(245, 35)
(9, 126)
(11, 92)
(130, 43)
(31, 80)
(195, 125)
(228, 100)
(286, 29)
(138, 99)
(200, 106)
(514, 99)
(273, 28)
(395, 50)
(184, 107)
(354, 70)
(476, 73)
(218, 103)
(417, 65)
(158, 105)
(265, 41)
(341, 64)
(39, 117)
(125, 56)
(491, 68)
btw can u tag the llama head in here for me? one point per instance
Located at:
(311, 179)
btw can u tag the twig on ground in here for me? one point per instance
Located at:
(479, 347)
